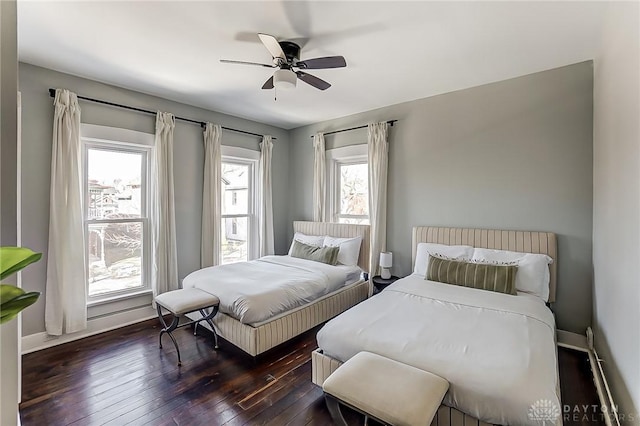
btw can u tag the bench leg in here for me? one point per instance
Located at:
(334, 409)
(168, 329)
(208, 318)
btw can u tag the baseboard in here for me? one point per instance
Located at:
(567, 339)
(39, 341)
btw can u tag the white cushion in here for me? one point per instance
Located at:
(453, 252)
(310, 240)
(533, 269)
(349, 249)
(395, 393)
(186, 300)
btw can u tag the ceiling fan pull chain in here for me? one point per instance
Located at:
(275, 94)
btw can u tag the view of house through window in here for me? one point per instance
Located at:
(236, 211)
(115, 218)
(353, 191)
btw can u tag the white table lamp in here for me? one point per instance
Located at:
(386, 261)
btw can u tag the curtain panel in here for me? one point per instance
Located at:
(378, 148)
(211, 197)
(66, 286)
(265, 216)
(319, 178)
(164, 269)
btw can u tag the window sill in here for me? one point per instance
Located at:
(117, 298)
(119, 303)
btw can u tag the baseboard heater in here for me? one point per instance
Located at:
(585, 344)
(611, 415)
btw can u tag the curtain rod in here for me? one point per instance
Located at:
(52, 93)
(390, 122)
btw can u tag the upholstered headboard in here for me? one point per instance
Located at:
(340, 230)
(522, 241)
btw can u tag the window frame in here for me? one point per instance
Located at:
(335, 158)
(126, 141)
(251, 158)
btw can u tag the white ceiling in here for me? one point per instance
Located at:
(395, 51)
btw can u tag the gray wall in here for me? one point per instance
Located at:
(616, 205)
(37, 119)
(516, 154)
(9, 343)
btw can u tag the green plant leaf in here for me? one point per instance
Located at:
(8, 310)
(13, 259)
(8, 292)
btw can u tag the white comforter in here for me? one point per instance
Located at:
(497, 351)
(260, 289)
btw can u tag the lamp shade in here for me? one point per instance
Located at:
(284, 79)
(386, 259)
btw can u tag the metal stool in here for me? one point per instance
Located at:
(184, 301)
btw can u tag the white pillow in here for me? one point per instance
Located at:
(311, 240)
(533, 269)
(349, 249)
(452, 252)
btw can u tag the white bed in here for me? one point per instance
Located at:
(497, 351)
(270, 300)
(256, 291)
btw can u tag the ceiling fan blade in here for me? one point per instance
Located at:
(313, 80)
(320, 63)
(229, 61)
(268, 84)
(272, 45)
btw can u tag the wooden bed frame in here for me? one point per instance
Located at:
(323, 366)
(256, 340)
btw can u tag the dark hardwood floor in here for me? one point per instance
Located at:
(121, 377)
(580, 402)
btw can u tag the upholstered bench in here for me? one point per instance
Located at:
(184, 301)
(386, 390)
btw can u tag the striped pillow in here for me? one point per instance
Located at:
(498, 278)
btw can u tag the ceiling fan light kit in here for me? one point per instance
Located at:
(286, 56)
(284, 79)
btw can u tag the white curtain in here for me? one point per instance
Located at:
(378, 163)
(265, 217)
(319, 178)
(211, 197)
(66, 288)
(164, 270)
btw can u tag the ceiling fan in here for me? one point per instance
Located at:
(286, 58)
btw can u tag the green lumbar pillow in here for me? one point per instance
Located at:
(328, 255)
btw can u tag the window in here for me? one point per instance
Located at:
(239, 218)
(353, 192)
(117, 229)
(348, 179)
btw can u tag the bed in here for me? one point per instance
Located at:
(439, 328)
(256, 334)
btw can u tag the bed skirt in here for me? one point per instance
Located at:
(256, 340)
(323, 366)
